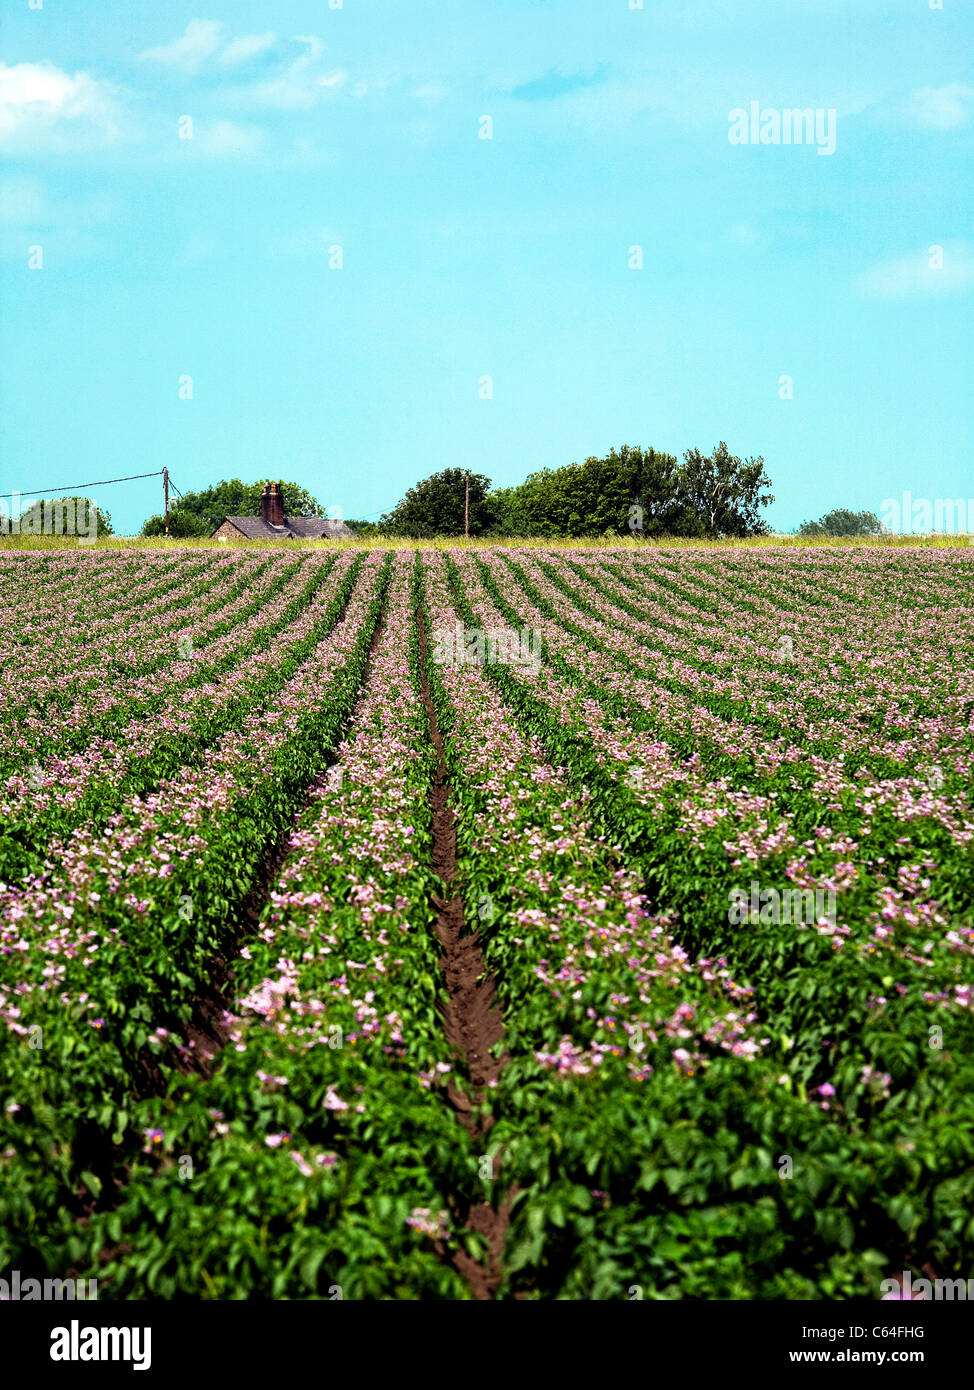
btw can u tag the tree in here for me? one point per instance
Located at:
(513, 514)
(842, 522)
(595, 497)
(724, 492)
(59, 513)
(435, 507)
(200, 513)
(631, 490)
(653, 482)
(182, 525)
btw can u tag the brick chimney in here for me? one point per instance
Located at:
(272, 505)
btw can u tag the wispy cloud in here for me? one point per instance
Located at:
(942, 108)
(556, 84)
(43, 108)
(199, 42)
(295, 82)
(245, 48)
(301, 85)
(920, 276)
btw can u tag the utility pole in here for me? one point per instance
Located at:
(165, 491)
(466, 505)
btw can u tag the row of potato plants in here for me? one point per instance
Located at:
(635, 1119)
(853, 643)
(176, 655)
(808, 797)
(195, 656)
(852, 1017)
(67, 629)
(61, 675)
(103, 953)
(86, 787)
(731, 691)
(318, 1158)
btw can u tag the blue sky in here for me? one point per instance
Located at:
(463, 258)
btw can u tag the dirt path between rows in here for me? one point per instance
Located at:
(206, 1032)
(472, 1020)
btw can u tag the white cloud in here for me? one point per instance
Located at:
(300, 86)
(914, 277)
(942, 108)
(248, 46)
(44, 108)
(200, 41)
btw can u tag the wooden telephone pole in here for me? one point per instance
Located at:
(165, 493)
(466, 505)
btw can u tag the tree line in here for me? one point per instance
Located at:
(630, 491)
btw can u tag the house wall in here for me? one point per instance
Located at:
(227, 528)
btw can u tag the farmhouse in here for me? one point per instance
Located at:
(273, 525)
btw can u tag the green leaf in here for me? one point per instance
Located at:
(92, 1183)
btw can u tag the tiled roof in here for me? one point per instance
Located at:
(316, 526)
(297, 527)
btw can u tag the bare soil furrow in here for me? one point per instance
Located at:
(206, 1032)
(472, 1020)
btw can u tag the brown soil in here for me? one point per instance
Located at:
(471, 1020)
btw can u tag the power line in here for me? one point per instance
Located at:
(381, 512)
(69, 487)
(106, 482)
